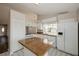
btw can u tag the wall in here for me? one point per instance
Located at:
(5, 18)
(4, 15)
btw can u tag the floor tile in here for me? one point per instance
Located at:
(51, 52)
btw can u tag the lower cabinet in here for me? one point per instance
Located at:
(60, 43)
(51, 39)
(38, 35)
(29, 36)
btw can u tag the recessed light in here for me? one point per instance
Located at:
(37, 3)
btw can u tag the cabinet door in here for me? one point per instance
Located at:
(29, 36)
(51, 39)
(17, 30)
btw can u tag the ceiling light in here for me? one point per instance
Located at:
(37, 3)
(3, 29)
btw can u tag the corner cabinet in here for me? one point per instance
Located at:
(68, 40)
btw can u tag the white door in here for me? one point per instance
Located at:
(17, 30)
(60, 38)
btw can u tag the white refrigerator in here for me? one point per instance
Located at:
(67, 39)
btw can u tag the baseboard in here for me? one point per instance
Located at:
(15, 51)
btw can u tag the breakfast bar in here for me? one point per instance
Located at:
(35, 45)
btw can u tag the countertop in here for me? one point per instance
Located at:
(45, 34)
(36, 45)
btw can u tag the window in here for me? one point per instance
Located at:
(50, 28)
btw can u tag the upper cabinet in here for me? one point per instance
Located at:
(31, 19)
(67, 16)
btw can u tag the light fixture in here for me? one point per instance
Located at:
(37, 3)
(3, 29)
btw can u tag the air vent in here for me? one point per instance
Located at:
(63, 12)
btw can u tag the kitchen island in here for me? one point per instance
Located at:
(36, 46)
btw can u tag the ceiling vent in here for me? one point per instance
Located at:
(63, 12)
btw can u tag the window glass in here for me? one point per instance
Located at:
(50, 28)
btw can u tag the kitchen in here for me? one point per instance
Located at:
(60, 30)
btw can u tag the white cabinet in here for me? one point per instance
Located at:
(51, 39)
(29, 36)
(17, 30)
(48, 37)
(31, 20)
(38, 35)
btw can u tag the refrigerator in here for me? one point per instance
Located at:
(67, 38)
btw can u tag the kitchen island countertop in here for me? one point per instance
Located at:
(36, 45)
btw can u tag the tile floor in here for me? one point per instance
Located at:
(51, 52)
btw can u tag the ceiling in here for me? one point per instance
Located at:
(52, 8)
(45, 8)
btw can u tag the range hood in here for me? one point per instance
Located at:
(31, 30)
